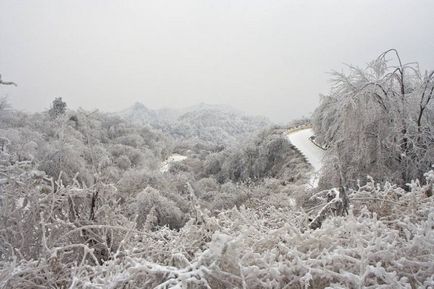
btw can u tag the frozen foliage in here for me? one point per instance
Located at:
(84, 202)
(217, 126)
(170, 160)
(93, 145)
(83, 189)
(378, 121)
(75, 237)
(239, 234)
(206, 123)
(266, 155)
(58, 108)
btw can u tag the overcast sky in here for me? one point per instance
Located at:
(264, 57)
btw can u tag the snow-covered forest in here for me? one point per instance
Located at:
(209, 197)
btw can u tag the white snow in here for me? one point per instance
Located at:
(313, 154)
(172, 159)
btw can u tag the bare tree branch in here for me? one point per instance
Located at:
(7, 82)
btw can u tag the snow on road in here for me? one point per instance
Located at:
(313, 154)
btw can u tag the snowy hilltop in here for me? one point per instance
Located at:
(209, 123)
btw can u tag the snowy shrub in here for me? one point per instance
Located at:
(153, 209)
(206, 185)
(134, 181)
(123, 162)
(227, 197)
(66, 163)
(130, 140)
(72, 236)
(83, 204)
(265, 155)
(271, 248)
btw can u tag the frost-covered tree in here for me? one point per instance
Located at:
(268, 154)
(58, 108)
(378, 121)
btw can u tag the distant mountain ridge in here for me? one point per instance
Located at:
(219, 124)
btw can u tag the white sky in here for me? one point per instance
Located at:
(264, 57)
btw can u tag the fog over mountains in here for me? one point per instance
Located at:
(209, 197)
(203, 144)
(218, 123)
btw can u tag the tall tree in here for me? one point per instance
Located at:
(57, 108)
(378, 121)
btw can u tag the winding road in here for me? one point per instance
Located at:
(314, 155)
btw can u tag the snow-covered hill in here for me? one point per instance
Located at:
(218, 124)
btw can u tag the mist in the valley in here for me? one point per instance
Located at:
(270, 58)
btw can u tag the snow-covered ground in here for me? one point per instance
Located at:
(172, 159)
(313, 154)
